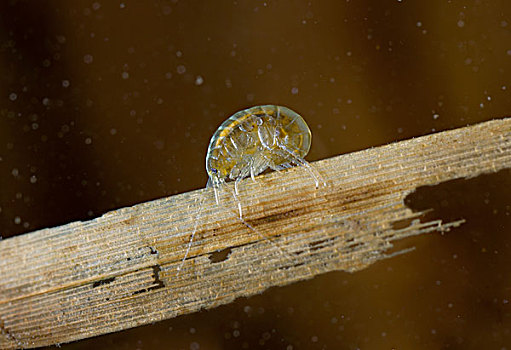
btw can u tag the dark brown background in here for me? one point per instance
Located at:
(107, 104)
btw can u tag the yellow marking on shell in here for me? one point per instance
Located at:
(222, 164)
(234, 124)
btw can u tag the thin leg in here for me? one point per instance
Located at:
(236, 184)
(252, 175)
(258, 164)
(281, 167)
(236, 199)
(299, 160)
(215, 185)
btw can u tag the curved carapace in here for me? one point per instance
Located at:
(255, 139)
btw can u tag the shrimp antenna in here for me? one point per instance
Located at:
(250, 227)
(197, 218)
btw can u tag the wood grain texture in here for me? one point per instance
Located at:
(120, 270)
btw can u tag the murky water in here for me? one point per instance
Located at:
(108, 104)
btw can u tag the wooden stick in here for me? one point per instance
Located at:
(120, 270)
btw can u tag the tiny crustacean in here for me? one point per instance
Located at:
(251, 141)
(255, 139)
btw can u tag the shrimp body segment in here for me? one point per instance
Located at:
(255, 139)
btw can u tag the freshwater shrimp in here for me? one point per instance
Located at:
(251, 141)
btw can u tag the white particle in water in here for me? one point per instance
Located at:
(96, 6)
(199, 80)
(61, 39)
(436, 116)
(122, 5)
(461, 23)
(509, 52)
(17, 220)
(168, 75)
(88, 141)
(65, 83)
(13, 96)
(125, 75)
(181, 69)
(33, 179)
(294, 90)
(419, 24)
(15, 172)
(88, 59)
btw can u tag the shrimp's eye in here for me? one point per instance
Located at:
(214, 171)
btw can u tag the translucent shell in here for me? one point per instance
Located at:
(255, 139)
